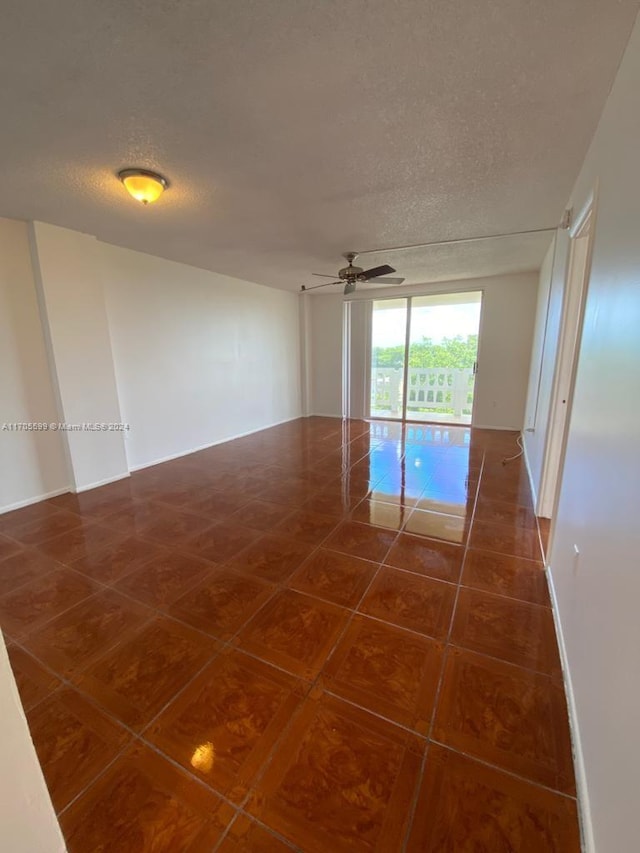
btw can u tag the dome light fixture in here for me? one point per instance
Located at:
(143, 185)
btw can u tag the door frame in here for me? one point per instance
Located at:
(564, 378)
(368, 343)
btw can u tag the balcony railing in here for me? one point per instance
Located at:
(436, 390)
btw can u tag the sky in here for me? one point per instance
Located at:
(435, 322)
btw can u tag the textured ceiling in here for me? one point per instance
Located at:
(521, 253)
(294, 130)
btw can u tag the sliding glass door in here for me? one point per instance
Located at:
(424, 352)
(388, 356)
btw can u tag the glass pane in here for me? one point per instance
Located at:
(443, 348)
(388, 337)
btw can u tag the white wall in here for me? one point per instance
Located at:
(506, 332)
(543, 356)
(325, 368)
(187, 357)
(68, 275)
(33, 464)
(597, 595)
(199, 357)
(27, 820)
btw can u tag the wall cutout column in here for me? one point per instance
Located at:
(68, 278)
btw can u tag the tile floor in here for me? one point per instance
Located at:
(323, 636)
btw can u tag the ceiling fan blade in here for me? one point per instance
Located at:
(322, 275)
(387, 280)
(304, 288)
(349, 287)
(385, 269)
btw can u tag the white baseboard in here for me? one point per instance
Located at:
(99, 483)
(584, 809)
(490, 426)
(325, 415)
(34, 500)
(532, 485)
(182, 453)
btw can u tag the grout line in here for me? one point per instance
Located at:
(486, 656)
(501, 769)
(414, 802)
(242, 813)
(371, 712)
(98, 776)
(447, 639)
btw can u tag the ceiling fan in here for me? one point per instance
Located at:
(351, 275)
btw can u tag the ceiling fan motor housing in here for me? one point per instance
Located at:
(349, 273)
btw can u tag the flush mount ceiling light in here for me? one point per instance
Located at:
(143, 185)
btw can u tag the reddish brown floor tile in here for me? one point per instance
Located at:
(361, 540)
(222, 603)
(33, 680)
(34, 603)
(137, 678)
(220, 504)
(96, 502)
(18, 517)
(511, 630)
(513, 490)
(307, 526)
(380, 514)
(134, 518)
(221, 542)
(294, 632)
(145, 803)
(332, 501)
(440, 560)
(335, 577)
(247, 836)
(464, 805)
(505, 539)
(173, 527)
(260, 515)
(387, 670)
(115, 561)
(500, 512)
(272, 558)
(180, 494)
(223, 726)
(438, 525)
(41, 529)
(73, 640)
(74, 741)
(341, 780)
(23, 566)
(165, 578)
(290, 492)
(513, 718)
(506, 575)
(81, 542)
(8, 547)
(411, 601)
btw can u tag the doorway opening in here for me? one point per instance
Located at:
(574, 299)
(424, 357)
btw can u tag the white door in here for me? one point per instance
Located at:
(569, 345)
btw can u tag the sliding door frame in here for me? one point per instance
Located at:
(407, 343)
